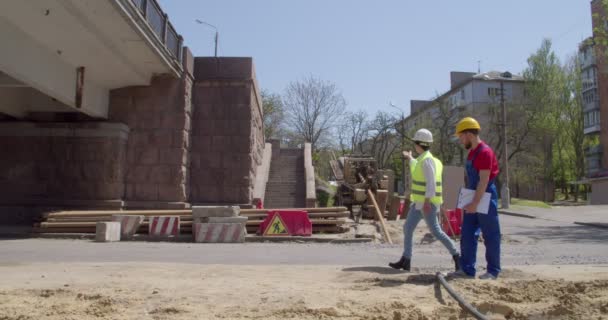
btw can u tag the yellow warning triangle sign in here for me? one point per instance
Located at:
(276, 227)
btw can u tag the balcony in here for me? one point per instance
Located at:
(591, 121)
(587, 63)
(589, 84)
(591, 106)
(592, 129)
(593, 157)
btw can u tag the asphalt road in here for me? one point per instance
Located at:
(525, 242)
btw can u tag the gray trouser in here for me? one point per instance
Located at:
(413, 217)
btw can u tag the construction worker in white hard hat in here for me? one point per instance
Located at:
(426, 199)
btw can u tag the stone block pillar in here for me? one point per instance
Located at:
(227, 131)
(159, 116)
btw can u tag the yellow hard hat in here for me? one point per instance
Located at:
(467, 124)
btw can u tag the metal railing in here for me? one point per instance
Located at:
(158, 22)
(593, 150)
(591, 106)
(593, 159)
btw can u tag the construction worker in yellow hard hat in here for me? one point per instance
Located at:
(467, 123)
(426, 199)
(481, 169)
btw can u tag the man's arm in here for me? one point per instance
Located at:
(408, 156)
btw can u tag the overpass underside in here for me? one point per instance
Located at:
(101, 107)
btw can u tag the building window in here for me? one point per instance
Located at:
(589, 97)
(493, 92)
(462, 96)
(596, 117)
(591, 118)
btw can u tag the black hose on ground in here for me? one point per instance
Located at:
(463, 304)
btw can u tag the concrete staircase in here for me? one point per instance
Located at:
(286, 186)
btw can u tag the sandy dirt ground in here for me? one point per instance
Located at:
(182, 291)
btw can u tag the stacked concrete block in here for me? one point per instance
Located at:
(202, 214)
(227, 131)
(218, 225)
(128, 224)
(107, 232)
(159, 116)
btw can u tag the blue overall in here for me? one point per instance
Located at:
(488, 223)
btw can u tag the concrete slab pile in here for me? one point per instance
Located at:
(218, 225)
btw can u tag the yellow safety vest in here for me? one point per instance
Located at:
(419, 181)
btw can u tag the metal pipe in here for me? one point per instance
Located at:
(463, 304)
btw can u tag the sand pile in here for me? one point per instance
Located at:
(171, 291)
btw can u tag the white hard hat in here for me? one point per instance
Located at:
(423, 135)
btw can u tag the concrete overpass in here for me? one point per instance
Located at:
(64, 56)
(101, 107)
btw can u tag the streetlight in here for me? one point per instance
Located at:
(505, 192)
(403, 164)
(217, 34)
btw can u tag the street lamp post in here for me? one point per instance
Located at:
(217, 34)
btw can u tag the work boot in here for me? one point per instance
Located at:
(459, 275)
(487, 276)
(456, 258)
(403, 263)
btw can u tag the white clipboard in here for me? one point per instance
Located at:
(466, 196)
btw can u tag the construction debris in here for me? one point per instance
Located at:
(380, 217)
(324, 220)
(356, 175)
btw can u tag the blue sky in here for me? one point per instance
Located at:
(380, 51)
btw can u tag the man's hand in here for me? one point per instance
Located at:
(407, 155)
(471, 208)
(426, 208)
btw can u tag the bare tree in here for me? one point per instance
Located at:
(384, 139)
(274, 114)
(444, 124)
(352, 131)
(313, 107)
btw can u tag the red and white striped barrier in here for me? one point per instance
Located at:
(128, 224)
(163, 226)
(219, 232)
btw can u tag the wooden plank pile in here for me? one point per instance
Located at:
(324, 220)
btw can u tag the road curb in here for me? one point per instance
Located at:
(183, 238)
(592, 224)
(514, 214)
(306, 239)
